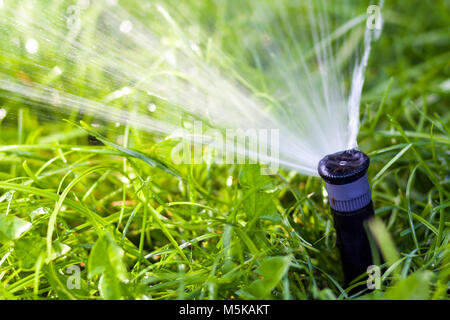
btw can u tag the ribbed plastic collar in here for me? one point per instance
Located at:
(349, 197)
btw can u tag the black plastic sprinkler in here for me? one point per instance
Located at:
(345, 175)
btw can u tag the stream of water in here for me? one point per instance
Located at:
(297, 100)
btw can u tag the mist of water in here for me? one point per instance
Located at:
(106, 62)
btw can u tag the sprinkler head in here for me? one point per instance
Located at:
(345, 176)
(346, 179)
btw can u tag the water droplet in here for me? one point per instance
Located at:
(152, 94)
(40, 211)
(32, 46)
(181, 186)
(2, 113)
(151, 107)
(230, 181)
(171, 58)
(57, 70)
(9, 195)
(126, 90)
(126, 26)
(446, 85)
(325, 195)
(194, 46)
(117, 94)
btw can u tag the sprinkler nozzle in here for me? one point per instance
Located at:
(346, 179)
(345, 176)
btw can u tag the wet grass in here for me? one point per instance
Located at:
(107, 204)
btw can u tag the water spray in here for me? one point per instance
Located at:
(345, 175)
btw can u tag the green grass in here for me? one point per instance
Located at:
(139, 226)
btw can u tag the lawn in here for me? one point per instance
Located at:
(93, 208)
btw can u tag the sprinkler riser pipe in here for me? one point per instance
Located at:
(345, 175)
(353, 242)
